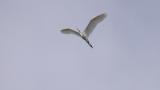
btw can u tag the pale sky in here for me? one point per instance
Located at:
(34, 55)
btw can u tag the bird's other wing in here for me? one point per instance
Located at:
(70, 31)
(93, 22)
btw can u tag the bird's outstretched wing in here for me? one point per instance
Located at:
(70, 31)
(93, 22)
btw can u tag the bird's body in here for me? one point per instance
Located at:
(90, 27)
(84, 37)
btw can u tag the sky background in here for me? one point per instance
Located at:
(34, 55)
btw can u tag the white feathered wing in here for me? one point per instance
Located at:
(93, 23)
(70, 31)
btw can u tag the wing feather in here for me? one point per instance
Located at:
(70, 31)
(93, 23)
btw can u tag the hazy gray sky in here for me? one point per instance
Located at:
(34, 55)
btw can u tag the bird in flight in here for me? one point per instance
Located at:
(88, 30)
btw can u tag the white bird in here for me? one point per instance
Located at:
(88, 30)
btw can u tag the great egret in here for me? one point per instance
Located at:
(90, 27)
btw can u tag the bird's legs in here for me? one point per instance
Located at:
(88, 42)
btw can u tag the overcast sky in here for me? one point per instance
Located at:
(34, 55)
